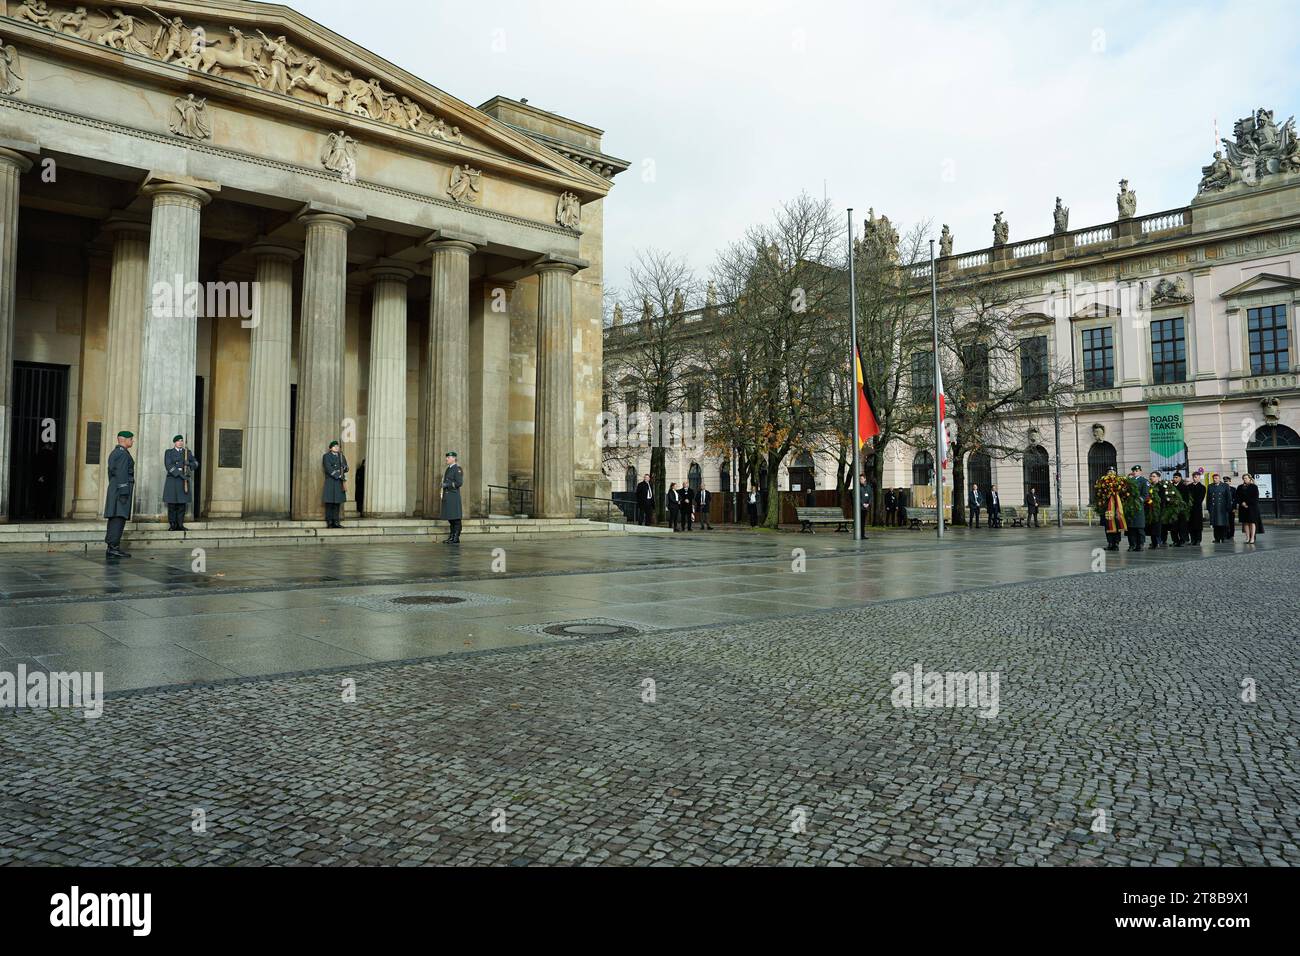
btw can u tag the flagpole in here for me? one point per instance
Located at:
(854, 492)
(938, 417)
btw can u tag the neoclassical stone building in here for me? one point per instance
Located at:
(223, 220)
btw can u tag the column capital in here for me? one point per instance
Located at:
(450, 245)
(310, 219)
(11, 157)
(389, 269)
(554, 263)
(267, 249)
(182, 193)
(121, 226)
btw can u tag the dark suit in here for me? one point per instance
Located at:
(864, 505)
(686, 507)
(1196, 517)
(975, 502)
(1232, 511)
(702, 501)
(1218, 506)
(177, 490)
(645, 503)
(334, 493)
(1031, 505)
(995, 510)
(751, 506)
(890, 504)
(118, 495)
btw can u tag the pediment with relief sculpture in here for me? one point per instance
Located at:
(277, 50)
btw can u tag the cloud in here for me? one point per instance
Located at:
(743, 104)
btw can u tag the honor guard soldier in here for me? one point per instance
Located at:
(335, 492)
(121, 489)
(452, 479)
(177, 493)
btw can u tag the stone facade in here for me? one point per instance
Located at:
(343, 222)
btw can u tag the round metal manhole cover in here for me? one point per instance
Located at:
(421, 599)
(589, 630)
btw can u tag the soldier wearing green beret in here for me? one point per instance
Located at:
(180, 465)
(121, 489)
(452, 479)
(336, 488)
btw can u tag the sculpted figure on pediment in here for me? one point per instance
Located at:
(240, 58)
(74, 24)
(10, 78)
(34, 11)
(283, 57)
(314, 76)
(120, 34)
(568, 212)
(190, 117)
(172, 40)
(340, 155)
(465, 184)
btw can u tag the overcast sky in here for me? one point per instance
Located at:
(927, 111)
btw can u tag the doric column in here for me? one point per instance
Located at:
(320, 357)
(270, 361)
(489, 396)
(386, 394)
(169, 338)
(448, 359)
(128, 297)
(553, 419)
(12, 166)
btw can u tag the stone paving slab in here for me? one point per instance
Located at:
(765, 742)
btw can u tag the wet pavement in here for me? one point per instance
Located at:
(154, 621)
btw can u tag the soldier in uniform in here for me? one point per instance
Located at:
(121, 489)
(1196, 499)
(864, 503)
(1218, 505)
(335, 492)
(180, 466)
(1137, 524)
(1155, 515)
(452, 479)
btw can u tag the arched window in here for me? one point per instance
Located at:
(1101, 459)
(693, 476)
(1038, 474)
(1275, 436)
(724, 476)
(629, 479)
(803, 473)
(979, 470)
(922, 469)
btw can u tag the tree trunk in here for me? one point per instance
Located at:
(958, 485)
(773, 518)
(657, 478)
(877, 481)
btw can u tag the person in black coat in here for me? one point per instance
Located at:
(1196, 514)
(180, 466)
(335, 492)
(900, 508)
(1248, 505)
(864, 502)
(751, 505)
(1155, 523)
(645, 502)
(891, 503)
(995, 508)
(1031, 506)
(673, 505)
(1183, 491)
(974, 501)
(702, 502)
(452, 479)
(686, 507)
(1232, 508)
(118, 495)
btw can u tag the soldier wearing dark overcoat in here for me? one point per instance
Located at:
(335, 465)
(452, 479)
(120, 491)
(180, 465)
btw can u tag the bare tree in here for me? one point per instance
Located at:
(997, 373)
(647, 357)
(778, 345)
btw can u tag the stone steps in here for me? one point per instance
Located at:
(88, 537)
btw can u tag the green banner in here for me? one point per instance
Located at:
(1168, 443)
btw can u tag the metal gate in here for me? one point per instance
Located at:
(40, 434)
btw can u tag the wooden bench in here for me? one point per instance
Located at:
(1013, 516)
(917, 518)
(809, 517)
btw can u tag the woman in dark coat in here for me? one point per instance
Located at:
(1196, 516)
(452, 479)
(1248, 505)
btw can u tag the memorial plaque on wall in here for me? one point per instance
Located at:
(94, 435)
(230, 448)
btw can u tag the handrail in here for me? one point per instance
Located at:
(513, 494)
(608, 507)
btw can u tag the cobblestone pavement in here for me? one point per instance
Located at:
(767, 742)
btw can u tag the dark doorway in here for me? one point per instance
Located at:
(979, 469)
(40, 432)
(196, 448)
(1038, 474)
(1102, 459)
(1275, 452)
(293, 432)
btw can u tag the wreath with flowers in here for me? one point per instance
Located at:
(1113, 492)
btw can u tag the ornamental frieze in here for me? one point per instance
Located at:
(271, 63)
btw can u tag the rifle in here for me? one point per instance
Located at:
(185, 469)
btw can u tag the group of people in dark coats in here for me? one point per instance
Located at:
(178, 463)
(686, 506)
(1218, 502)
(895, 507)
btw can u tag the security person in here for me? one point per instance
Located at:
(121, 489)
(335, 492)
(177, 494)
(864, 503)
(452, 479)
